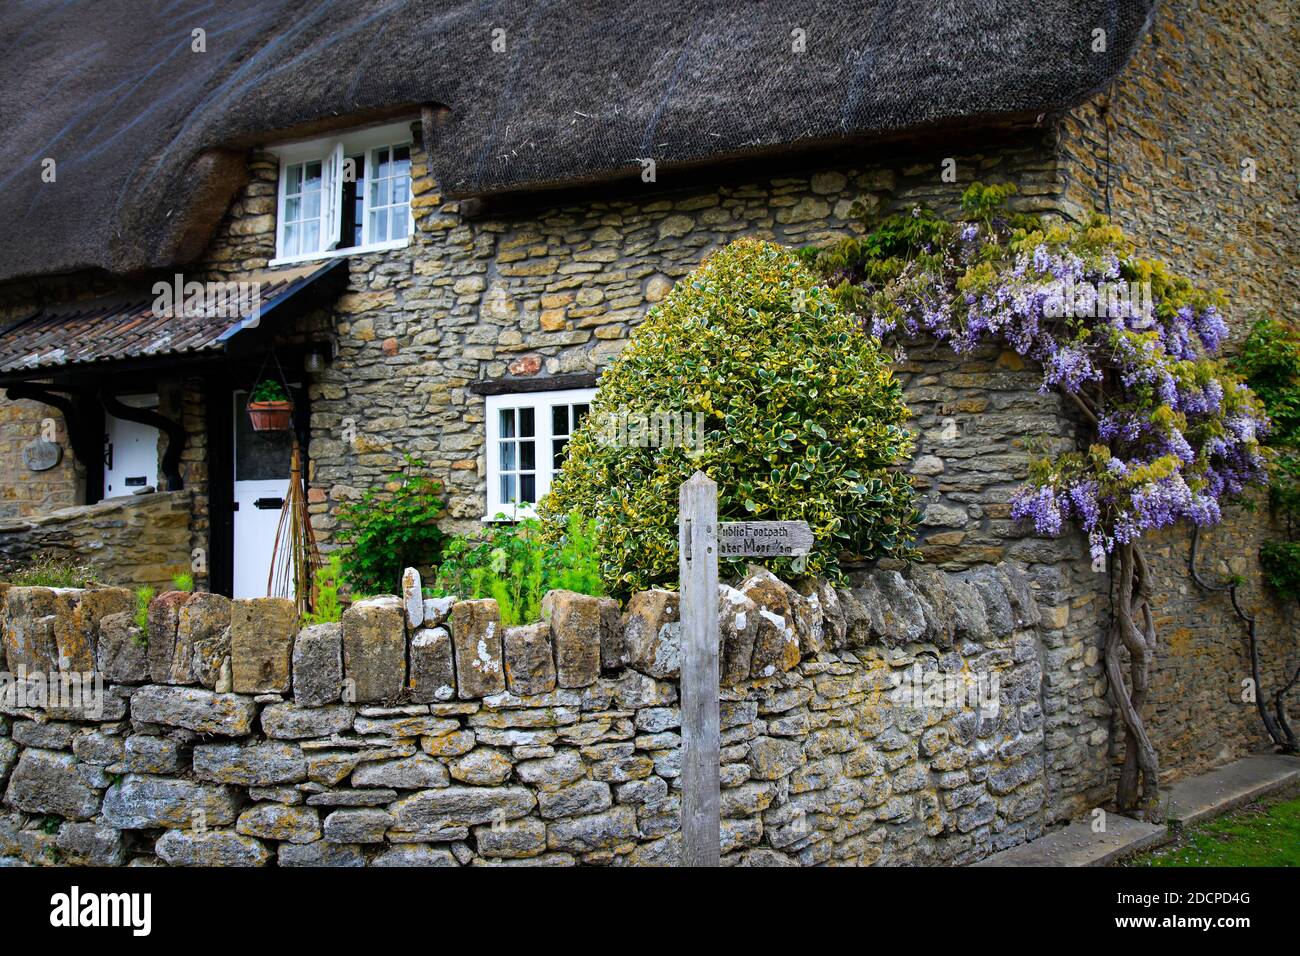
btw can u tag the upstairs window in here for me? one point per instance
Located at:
(346, 194)
(527, 437)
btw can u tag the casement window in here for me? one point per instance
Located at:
(526, 438)
(344, 195)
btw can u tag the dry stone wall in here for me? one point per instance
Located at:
(895, 720)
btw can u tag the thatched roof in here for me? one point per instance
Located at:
(150, 137)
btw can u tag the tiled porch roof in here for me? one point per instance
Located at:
(127, 328)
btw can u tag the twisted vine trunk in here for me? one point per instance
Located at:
(1133, 630)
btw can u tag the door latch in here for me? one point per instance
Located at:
(269, 503)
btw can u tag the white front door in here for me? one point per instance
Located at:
(130, 451)
(261, 484)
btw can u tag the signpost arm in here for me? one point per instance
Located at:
(698, 566)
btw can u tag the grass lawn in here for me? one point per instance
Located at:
(1261, 834)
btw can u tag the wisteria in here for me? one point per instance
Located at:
(1173, 431)
(1134, 347)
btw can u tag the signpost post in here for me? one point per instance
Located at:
(700, 539)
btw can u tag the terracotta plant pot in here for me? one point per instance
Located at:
(270, 416)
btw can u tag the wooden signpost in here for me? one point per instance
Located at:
(700, 539)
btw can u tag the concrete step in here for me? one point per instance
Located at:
(1077, 845)
(1211, 794)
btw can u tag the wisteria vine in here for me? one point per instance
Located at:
(1175, 432)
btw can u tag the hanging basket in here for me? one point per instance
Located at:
(270, 416)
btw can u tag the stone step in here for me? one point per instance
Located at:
(1212, 794)
(1077, 845)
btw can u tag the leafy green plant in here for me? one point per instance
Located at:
(327, 606)
(143, 595)
(390, 529)
(49, 571)
(803, 420)
(1270, 361)
(269, 390)
(515, 565)
(183, 582)
(1281, 563)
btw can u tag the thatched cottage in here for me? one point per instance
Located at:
(452, 215)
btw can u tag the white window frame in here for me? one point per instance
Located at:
(331, 152)
(543, 435)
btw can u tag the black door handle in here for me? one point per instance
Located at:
(265, 503)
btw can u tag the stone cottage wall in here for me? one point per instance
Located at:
(425, 733)
(554, 291)
(131, 541)
(1161, 150)
(24, 492)
(551, 291)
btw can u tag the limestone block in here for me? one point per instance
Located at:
(432, 667)
(318, 665)
(275, 821)
(210, 848)
(412, 598)
(777, 643)
(164, 619)
(262, 632)
(737, 630)
(46, 781)
(575, 621)
(374, 649)
(202, 640)
(476, 640)
(254, 765)
(28, 630)
(613, 645)
(530, 668)
(652, 630)
(201, 711)
(292, 721)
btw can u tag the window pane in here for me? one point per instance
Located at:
(507, 456)
(292, 209)
(559, 419)
(506, 417)
(292, 239)
(379, 225)
(293, 179)
(312, 175)
(311, 235)
(311, 205)
(507, 488)
(399, 223)
(379, 192)
(528, 488)
(526, 422)
(402, 158)
(401, 189)
(557, 453)
(527, 456)
(579, 413)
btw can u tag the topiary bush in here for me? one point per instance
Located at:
(803, 419)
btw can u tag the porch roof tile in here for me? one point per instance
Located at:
(108, 330)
